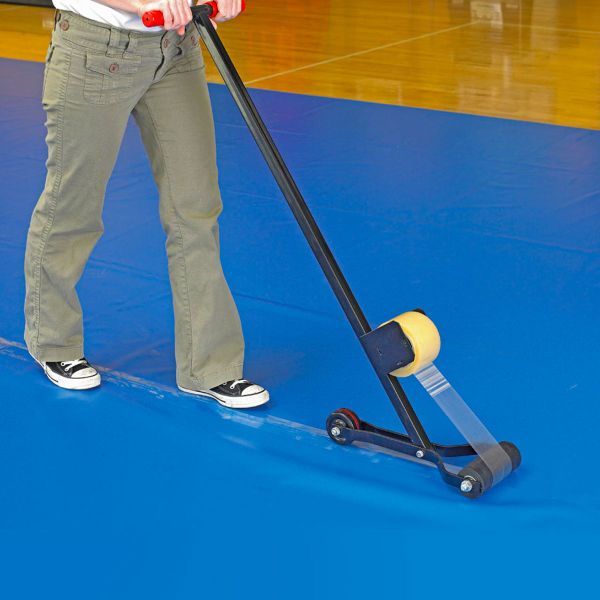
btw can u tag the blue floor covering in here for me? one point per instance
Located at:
(138, 491)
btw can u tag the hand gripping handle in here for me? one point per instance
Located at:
(154, 18)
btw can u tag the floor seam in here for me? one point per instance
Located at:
(153, 386)
(362, 52)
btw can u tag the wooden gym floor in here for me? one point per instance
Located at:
(534, 60)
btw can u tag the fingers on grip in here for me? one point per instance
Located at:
(155, 18)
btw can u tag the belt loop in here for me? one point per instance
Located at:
(114, 38)
(132, 40)
(56, 18)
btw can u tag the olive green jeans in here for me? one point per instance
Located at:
(95, 77)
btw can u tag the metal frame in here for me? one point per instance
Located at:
(386, 347)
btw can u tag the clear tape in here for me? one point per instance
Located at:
(466, 421)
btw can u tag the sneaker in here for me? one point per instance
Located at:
(239, 393)
(72, 374)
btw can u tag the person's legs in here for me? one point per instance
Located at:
(175, 119)
(85, 126)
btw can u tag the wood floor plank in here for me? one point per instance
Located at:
(535, 60)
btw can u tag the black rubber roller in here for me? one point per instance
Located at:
(478, 477)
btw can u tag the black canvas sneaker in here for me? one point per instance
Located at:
(72, 374)
(239, 393)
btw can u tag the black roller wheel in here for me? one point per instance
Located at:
(477, 476)
(342, 418)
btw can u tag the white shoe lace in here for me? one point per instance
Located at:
(237, 382)
(70, 364)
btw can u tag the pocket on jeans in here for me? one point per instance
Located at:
(47, 67)
(108, 79)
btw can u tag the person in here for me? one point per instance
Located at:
(103, 65)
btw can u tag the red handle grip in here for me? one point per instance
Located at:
(154, 18)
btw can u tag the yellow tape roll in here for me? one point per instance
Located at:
(424, 339)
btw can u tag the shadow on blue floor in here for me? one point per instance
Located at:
(138, 491)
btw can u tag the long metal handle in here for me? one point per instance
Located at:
(307, 223)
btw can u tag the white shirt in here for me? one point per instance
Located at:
(105, 14)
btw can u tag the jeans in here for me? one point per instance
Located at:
(95, 77)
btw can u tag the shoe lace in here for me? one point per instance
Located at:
(70, 364)
(237, 382)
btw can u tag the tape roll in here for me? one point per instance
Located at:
(424, 339)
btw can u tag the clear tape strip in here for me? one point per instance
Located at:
(466, 421)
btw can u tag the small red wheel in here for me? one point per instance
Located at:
(340, 420)
(352, 416)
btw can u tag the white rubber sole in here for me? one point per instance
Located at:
(83, 383)
(241, 402)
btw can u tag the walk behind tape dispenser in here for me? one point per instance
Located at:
(404, 346)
